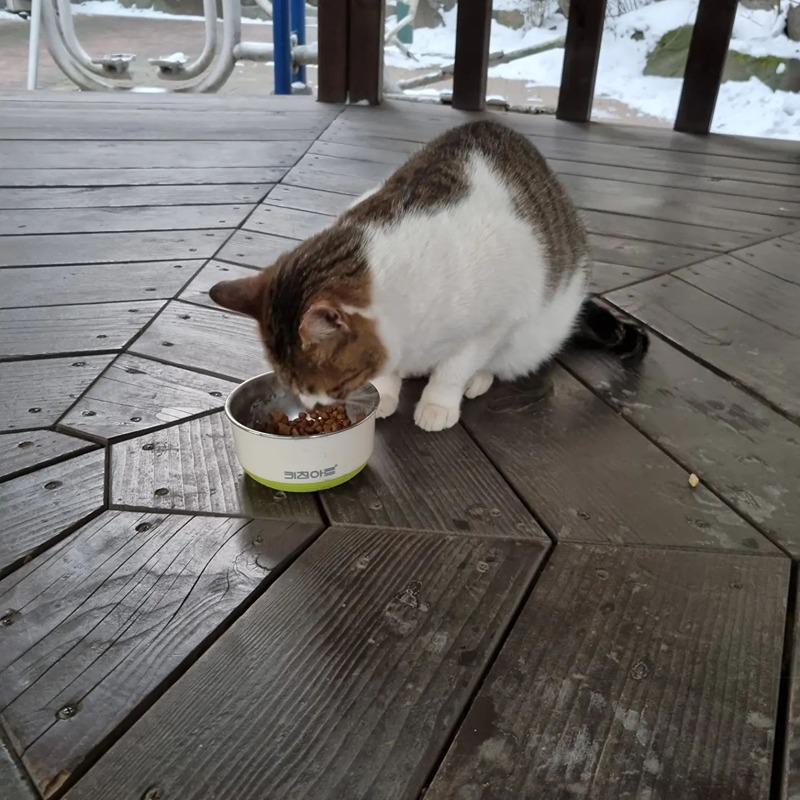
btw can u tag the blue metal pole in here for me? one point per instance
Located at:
(299, 30)
(281, 35)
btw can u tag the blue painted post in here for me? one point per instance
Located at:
(281, 37)
(404, 35)
(299, 30)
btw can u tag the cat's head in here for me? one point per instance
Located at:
(312, 310)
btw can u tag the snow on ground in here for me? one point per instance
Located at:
(745, 108)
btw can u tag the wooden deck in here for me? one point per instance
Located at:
(534, 605)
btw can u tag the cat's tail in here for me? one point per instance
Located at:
(599, 328)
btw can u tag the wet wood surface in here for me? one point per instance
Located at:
(172, 628)
(40, 507)
(53, 330)
(600, 692)
(398, 626)
(94, 617)
(23, 452)
(192, 467)
(216, 341)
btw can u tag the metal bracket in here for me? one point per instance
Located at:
(172, 68)
(116, 64)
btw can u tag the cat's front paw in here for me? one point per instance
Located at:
(387, 406)
(432, 417)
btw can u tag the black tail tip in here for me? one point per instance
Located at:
(599, 327)
(634, 345)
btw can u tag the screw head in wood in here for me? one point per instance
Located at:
(52, 484)
(67, 712)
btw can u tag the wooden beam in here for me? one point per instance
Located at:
(473, 26)
(581, 52)
(704, 65)
(365, 51)
(333, 39)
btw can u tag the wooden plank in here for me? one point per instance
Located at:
(778, 257)
(96, 615)
(255, 249)
(705, 62)
(13, 780)
(145, 155)
(34, 394)
(333, 45)
(394, 129)
(35, 287)
(162, 128)
(630, 673)
(106, 220)
(226, 194)
(109, 248)
(635, 135)
(758, 293)
(365, 51)
(24, 452)
(211, 340)
(654, 256)
(355, 152)
(309, 200)
(53, 330)
(630, 200)
(136, 394)
(40, 507)
(375, 171)
(653, 191)
(471, 64)
(131, 176)
(581, 54)
(760, 356)
(214, 272)
(411, 621)
(192, 467)
(288, 222)
(743, 451)
(606, 277)
(656, 230)
(728, 192)
(310, 178)
(577, 466)
(424, 481)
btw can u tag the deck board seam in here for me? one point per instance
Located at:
(711, 367)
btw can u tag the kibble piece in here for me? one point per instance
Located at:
(694, 481)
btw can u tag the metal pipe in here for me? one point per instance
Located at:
(298, 18)
(282, 37)
(225, 62)
(33, 44)
(200, 64)
(70, 38)
(63, 59)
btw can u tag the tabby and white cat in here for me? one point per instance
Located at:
(468, 264)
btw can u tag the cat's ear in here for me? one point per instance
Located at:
(245, 295)
(322, 322)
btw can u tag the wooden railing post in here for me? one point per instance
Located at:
(332, 43)
(365, 56)
(473, 26)
(581, 52)
(704, 65)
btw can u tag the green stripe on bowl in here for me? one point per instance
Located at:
(307, 487)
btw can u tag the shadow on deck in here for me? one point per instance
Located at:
(535, 604)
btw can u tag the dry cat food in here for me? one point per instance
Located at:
(309, 423)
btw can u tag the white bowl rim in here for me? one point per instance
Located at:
(368, 387)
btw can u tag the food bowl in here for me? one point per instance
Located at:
(303, 463)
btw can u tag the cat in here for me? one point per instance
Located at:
(468, 264)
